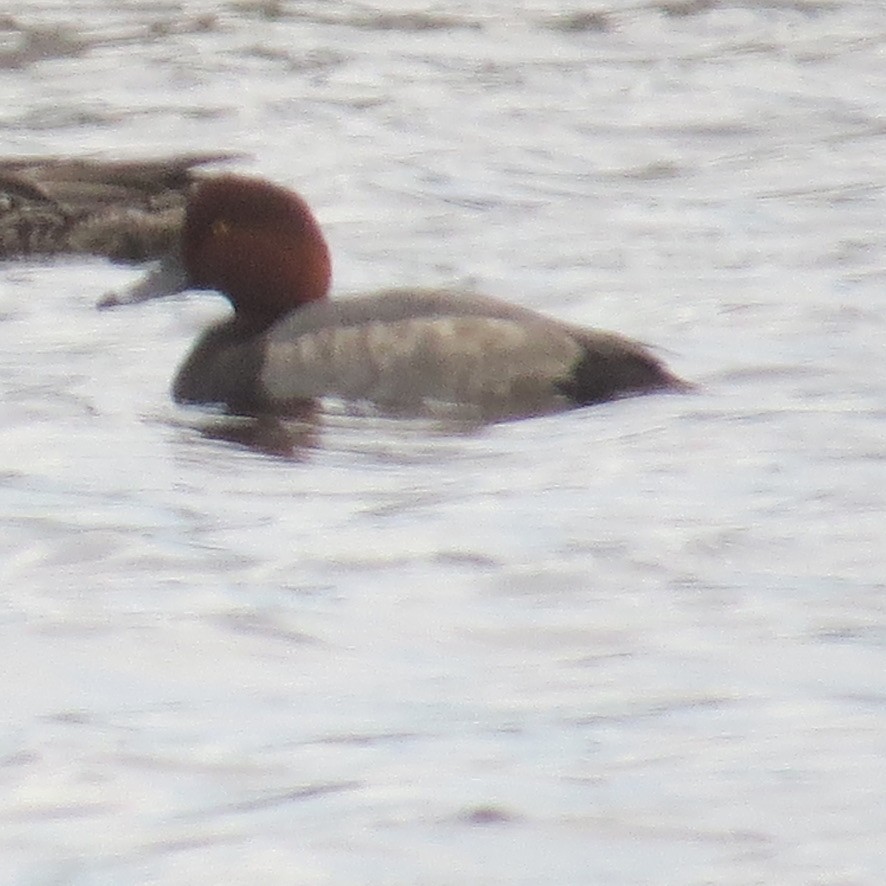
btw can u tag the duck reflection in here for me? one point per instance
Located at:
(290, 438)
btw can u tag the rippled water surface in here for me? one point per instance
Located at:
(639, 643)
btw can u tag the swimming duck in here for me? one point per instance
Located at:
(406, 351)
(129, 210)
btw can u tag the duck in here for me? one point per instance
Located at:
(402, 351)
(128, 211)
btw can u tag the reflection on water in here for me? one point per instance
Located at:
(586, 648)
(285, 438)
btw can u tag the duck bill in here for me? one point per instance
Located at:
(167, 278)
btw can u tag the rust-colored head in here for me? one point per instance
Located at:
(257, 243)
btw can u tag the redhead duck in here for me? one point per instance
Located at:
(410, 351)
(129, 210)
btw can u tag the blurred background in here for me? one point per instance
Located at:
(637, 643)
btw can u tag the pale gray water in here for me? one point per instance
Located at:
(643, 643)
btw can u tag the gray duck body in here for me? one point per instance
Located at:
(417, 352)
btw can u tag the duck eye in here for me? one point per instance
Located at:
(220, 228)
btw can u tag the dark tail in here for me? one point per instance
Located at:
(620, 369)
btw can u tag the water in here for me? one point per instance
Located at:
(639, 643)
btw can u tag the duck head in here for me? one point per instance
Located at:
(255, 242)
